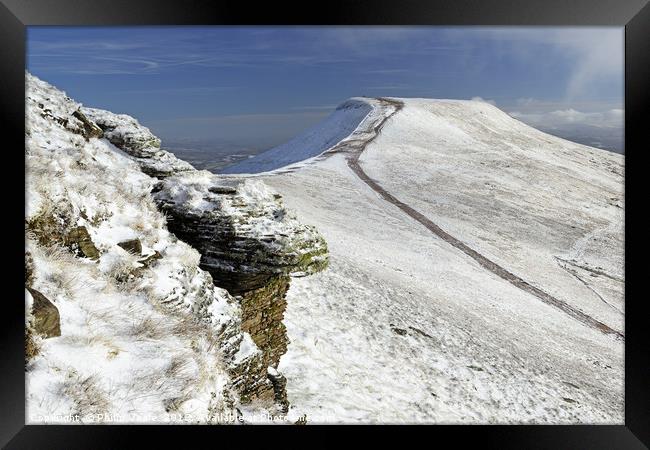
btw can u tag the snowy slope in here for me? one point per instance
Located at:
(144, 338)
(336, 127)
(544, 207)
(404, 327)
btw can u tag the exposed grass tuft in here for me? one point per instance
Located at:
(85, 393)
(148, 328)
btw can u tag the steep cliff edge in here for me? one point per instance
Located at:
(147, 330)
(251, 245)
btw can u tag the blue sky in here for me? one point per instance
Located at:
(260, 86)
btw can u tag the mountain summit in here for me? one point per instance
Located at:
(476, 269)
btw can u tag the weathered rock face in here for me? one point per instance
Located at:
(128, 135)
(47, 321)
(80, 242)
(132, 246)
(251, 245)
(245, 237)
(262, 313)
(249, 378)
(55, 228)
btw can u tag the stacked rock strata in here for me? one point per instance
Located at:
(248, 241)
(251, 245)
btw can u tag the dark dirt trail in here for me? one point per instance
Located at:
(354, 148)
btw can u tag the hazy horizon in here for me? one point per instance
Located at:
(255, 87)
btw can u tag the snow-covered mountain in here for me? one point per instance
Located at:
(335, 128)
(476, 271)
(466, 269)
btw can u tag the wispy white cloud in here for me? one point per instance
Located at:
(593, 54)
(481, 99)
(37, 46)
(314, 108)
(612, 118)
(389, 87)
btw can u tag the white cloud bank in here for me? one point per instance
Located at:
(612, 118)
(595, 54)
(602, 129)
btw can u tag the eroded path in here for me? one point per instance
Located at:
(355, 147)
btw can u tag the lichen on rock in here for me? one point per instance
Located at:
(245, 237)
(79, 241)
(46, 319)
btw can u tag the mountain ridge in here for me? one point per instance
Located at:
(341, 126)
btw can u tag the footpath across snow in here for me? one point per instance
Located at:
(403, 327)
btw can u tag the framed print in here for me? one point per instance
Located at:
(360, 212)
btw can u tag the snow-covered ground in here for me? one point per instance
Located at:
(547, 209)
(403, 327)
(336, 127)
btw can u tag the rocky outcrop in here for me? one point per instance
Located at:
(79, 241)
(248, 242)
(89, 129)
(68, 115)
(251, 245)
(46, 320)
(245, 235)
(136, 140)
(133, 246)
(54, 227)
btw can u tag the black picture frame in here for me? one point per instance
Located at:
(15, 15)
